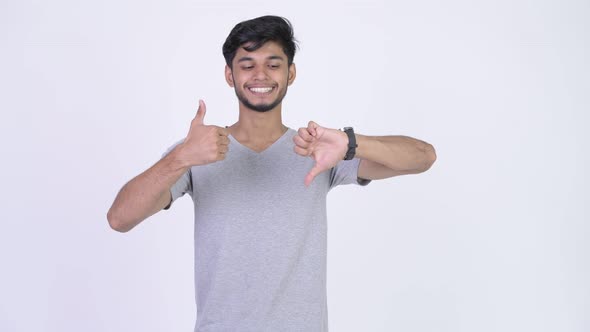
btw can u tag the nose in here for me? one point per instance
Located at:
(260, 74)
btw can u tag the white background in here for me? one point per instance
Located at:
(491, 238)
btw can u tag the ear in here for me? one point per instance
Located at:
(229, 78)
(292, 74)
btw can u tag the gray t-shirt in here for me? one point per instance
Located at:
(261, 238)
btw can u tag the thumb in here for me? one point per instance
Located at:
(312, 174)
(201, 112)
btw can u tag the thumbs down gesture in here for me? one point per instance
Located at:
(326, 146)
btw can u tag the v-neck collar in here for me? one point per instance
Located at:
(276, 142)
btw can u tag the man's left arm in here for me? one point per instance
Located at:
(387, 156)
(381, 156)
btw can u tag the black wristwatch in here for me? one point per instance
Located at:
(351, 143)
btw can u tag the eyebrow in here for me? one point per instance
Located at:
(272, 57)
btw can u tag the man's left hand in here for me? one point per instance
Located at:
(326, 146)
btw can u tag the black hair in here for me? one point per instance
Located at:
(258, 31)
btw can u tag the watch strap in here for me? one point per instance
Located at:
(351, 143)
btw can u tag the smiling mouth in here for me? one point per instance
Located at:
(261, 90)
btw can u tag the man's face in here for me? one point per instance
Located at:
(261, 78)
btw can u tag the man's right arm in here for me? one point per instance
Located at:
(149, 192)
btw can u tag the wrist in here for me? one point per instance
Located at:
(177, 159)
(361, 141)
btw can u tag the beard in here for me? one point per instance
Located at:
(261, 107)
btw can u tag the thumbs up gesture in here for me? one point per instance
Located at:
(326, 146)
(204, 144)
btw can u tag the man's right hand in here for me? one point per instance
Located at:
(203, 144)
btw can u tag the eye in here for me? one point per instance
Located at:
(274, 66)
(247, 67)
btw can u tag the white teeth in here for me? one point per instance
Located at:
(260, 90)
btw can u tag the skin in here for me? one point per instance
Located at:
(259, 125)
(266, 72)
(266, 67)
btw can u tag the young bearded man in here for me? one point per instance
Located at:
(259, 191)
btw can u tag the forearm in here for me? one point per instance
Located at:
(399, 153)
(147, 193)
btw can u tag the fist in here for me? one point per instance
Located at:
(204, 144)
(326, 146)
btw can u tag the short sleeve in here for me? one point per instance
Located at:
(346, 172)
(183, 185)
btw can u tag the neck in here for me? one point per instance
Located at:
(258, 126)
